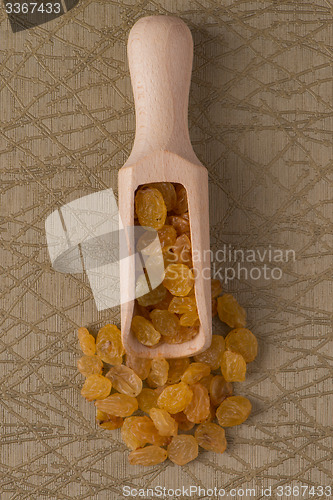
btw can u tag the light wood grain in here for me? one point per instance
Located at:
(160, 51)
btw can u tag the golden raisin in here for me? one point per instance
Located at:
(183, 422)
(181, 224)
(89, 365)
(185, 334)
(96, 387)
(175, 398)
(159, 372)
(152, 297)
(108, 422)
(165, 322)
(150, 207)
(87, 342)
(109, 346)
(140, 366)
(195, 372)
(219, 389)
(233, 411)
(167, 236)
(147, 399)
(125, 380)
(213, 355)
(211, 437)
(243, 341)
(216, 288)
(168, 192)
(164, 423)
(143, 430)
(214, 308)
(233, 367)
(230, 312)
(178, 279)
(177, 366)
(182, 305)
(181, 204)
(189, 319)
(205, 381)
(131, 441)
(181, 249)
(119, 405)
(183, 449)
(145, 331)
(198, 409)
(165, 302)
(150, 455)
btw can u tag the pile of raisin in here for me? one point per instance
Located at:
(168, 313)
(168, 408)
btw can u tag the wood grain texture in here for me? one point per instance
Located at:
(260, 114)
(160, 53)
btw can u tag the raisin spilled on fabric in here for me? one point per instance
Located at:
(153, 402)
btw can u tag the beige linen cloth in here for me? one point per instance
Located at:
(261, 120)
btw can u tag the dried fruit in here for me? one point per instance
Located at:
(189, 319)
(147, 399)
(131, 441)
(181, 224)
(152, 297)
(125, 380)
(109, 346)
(175, 398)
(165, 302)
(143, 431)
(181, 249)
(195, 372)
(213, 355)
(181, 305)
(177, 366)
(211, 437)
(164, 423)
(214, 307)
(144, 331)
(119, 405)
(230, 312)
(150, 207)
(233, 411)
(219, 389)
(178, 279)
(165, 322)
(185, 334)
(159, 372)
(108, 421)
(183, 422)
(150, 455)
(216, 288)
(183, 449)
(140, 366)
(90, 365)
(181, 204)
(233, 367)
(96, 387)
(87, 342)
(205, 381)
(168, 192)
(167, 236)
(198, 409)
(243, 341)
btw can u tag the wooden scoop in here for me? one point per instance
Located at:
(160, 52)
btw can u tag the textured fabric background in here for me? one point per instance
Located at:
(261, 120)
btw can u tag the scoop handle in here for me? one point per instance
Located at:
(160, 53)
